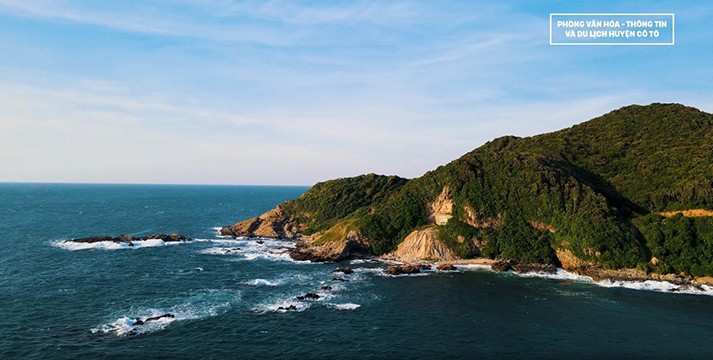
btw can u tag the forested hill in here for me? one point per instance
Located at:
(594, 192)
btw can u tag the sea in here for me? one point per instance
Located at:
(238, 298)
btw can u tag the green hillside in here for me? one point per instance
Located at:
(595, 189)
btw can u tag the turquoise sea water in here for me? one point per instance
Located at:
(68, 302)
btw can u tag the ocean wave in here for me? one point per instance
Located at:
(208, 303)
(422, 273)
(282, 307)
(221, 251)
(363, 261)
(346, 306)
(218, 234)
(237, 241)
(659, 286)
(473, 267)
(560, 274)
(266, 255)
(647, 285)
(263, 282)
(273, 250)
(564, 275)
(111, 245)
(125, 326)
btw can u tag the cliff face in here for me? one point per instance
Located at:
(275, 223)
(422, 245)
(591, 193)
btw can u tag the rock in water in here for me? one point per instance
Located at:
(403, 269)
(126, 239)
(501, 266)
(445, 267)
(523, 268)
(138, 321)
(345, 271)
(129, 240)
(308, 296)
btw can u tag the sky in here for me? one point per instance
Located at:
(296, 92)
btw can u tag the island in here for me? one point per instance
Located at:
(627, 195)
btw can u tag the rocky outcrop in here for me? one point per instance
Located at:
(475, 220)
(502, 265)
(445, 267)
(441, 209)
(345, 271)
(572, 263)
(538, 225)
(406, 269)
(688, 213)
(422, 245)
(308, 296)
(273, 224)
(569, 261)
(315, 249)
(129, 240)
(523, 267)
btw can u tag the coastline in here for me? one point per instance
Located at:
(623, 278)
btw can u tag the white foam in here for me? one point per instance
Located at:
(221, 251)
(263, 282)
(362, 261)
(560, 274)
(275, 250)
(111, 245)
(282, 307)
(124, 326)
(275, 256)
(422, 273)
(647, 285)
(473, 267)
(346, 306)
(205, 304)
(659, 286)
(218, 234)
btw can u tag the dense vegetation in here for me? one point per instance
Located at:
(594, 189)
(328, 202)
(679, 244)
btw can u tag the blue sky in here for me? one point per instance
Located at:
(295, 92)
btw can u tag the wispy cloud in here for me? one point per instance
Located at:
(245, 92)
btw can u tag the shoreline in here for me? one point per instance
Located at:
(624, 278)
(627, 278)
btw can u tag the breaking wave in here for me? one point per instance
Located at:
(111, 245)
(205, 304)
